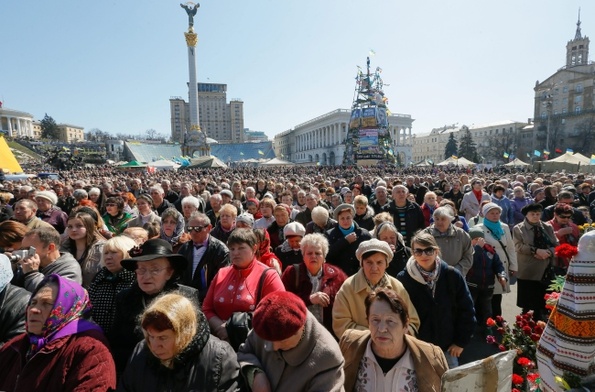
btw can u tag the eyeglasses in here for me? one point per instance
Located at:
(153, 272)
(564, 216)
(111, 205)
(427, 251)
(197, 229)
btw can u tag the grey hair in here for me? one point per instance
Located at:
(190, 200)
(443, 212)
(320, 215)
(314, 239)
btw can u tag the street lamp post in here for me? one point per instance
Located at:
(548, 106)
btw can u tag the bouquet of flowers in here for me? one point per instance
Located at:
(522, 336)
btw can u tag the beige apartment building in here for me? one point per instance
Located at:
(220, 120)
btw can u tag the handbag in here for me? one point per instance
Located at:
(240, 323)
(548, 275)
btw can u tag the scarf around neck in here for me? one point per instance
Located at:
(347, 231)
(494, 227)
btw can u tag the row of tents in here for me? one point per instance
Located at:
(569, 162)
(208, 161)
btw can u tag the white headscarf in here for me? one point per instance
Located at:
(5, 272)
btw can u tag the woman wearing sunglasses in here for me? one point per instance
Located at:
(440, 296)
(566, 232)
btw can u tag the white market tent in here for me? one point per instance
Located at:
(569, 162)
(164, 164)
(277, 162)
(516, 162)
(462, 161)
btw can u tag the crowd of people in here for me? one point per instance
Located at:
(352, 279)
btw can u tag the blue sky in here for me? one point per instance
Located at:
(113, 65)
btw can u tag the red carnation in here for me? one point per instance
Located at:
(515, 390)
(535, 337)
(527, 330)
(532, 377)
(499, 319)
(566, 251)
(524, 362)
(490, 322)
(502, 347)
(517, 380)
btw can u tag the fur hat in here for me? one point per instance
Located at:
(48, 195)
(476, 232)
(294, 228)
(531, 207)
(343, 207)
(154, 249)
(374, 245)
(489, 206)
(279, 316)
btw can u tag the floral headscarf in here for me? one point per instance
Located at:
(68, 316)
(5, 272)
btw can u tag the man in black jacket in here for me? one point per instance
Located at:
(408, 217)
(205, 254)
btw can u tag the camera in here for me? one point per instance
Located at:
(21, 254)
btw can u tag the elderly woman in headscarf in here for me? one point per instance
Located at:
(349, 311)
(62, 349)
(567, 345)
(172, 228)
(178, 352)
(13, 302)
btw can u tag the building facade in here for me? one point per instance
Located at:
(220, 120)
(564, 103)
(492, 141)
(321, 140)
(70, 133)
(15, 123)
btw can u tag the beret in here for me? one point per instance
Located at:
(226, 192)
(294, 228)
(343, 207)
(374, 245)
(48, 195)
(279, 316)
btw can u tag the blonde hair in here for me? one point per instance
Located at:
(172, 311)
(360, 200)
(120, 244)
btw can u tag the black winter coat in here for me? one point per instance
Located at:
(13, 304)
(207, 365)
(130, 304)
(447, 317)
(341, 253)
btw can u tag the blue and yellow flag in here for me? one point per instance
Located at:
(537, 153)
(505, 155)
(569, 151)
(260, 152)
(454, 157)
(592, 159)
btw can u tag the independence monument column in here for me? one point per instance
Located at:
(194, 138)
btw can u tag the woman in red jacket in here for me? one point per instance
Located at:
(62, 349)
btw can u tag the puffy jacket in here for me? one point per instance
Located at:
(207, 364)
(126, 331)
(13, 303)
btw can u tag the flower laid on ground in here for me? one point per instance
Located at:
(521, 336)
